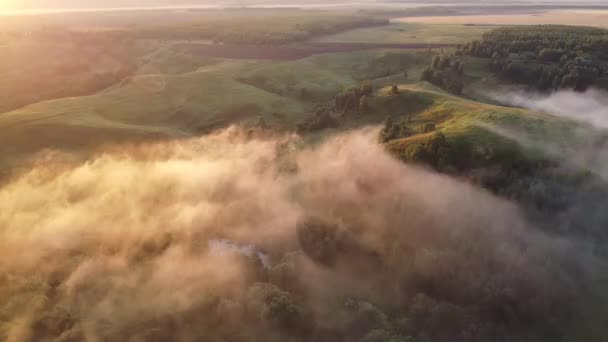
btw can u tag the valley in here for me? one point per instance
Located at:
(353, 173)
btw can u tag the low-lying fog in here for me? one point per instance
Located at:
(590, 106)
(141, 240)
(588, 146)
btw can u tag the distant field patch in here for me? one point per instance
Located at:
(293, 52)
(559, 17)
(408, 33)
(262, 28)
(38, 70)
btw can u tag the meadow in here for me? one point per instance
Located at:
(398, 32)
(187, 83)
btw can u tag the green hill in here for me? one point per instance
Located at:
(169, 105)
(539, 160)
(481, 128)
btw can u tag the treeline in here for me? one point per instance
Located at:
(445, 72)
(545, 57)
(354, 100)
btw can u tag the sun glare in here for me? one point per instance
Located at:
(8, 5)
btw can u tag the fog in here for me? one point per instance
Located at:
(584, 144)
(590, 106)
(190, 240)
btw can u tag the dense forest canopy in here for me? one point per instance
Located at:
(547, 56)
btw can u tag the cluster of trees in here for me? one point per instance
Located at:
(393, 129)
(545, 57)
(354, 100)
(436, 293)
(321, 117)
(445, 72)
(389, 64)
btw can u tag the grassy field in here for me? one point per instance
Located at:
(477, 123)
(410, 33)
(259, 29)
(184, 101)
(527, 156)
(169, 81)
(109, 20)
(176, 94)
(172, 92)
(325, 75)
(254, 26)
(38, 70)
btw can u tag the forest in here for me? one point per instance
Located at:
(546, 57)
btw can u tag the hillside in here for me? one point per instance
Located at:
(539, 160)
(175, 93)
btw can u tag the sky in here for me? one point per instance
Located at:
(73, 4)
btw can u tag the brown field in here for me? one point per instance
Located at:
(562, 17)
(292, 51)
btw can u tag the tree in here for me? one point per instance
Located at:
(363, 104)
(262, 123)
(459, 67)
(547, 55)
(304, 94)
(444, 62)
(436, 62)
(366, 88)
(452, 84)
(427, 75)
(394, 89)
(348, 100)
(429, 127)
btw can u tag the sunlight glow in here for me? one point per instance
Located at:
(8, 4)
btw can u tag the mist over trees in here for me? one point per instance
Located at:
(359, 247)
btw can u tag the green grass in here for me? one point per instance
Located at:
(479, 134)
(266, 27)
(37, 70)
(406, 33)
(175, 94)
(291, 78)
(171, 60)
(323, 76)
(147, 106)
(175, 102)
